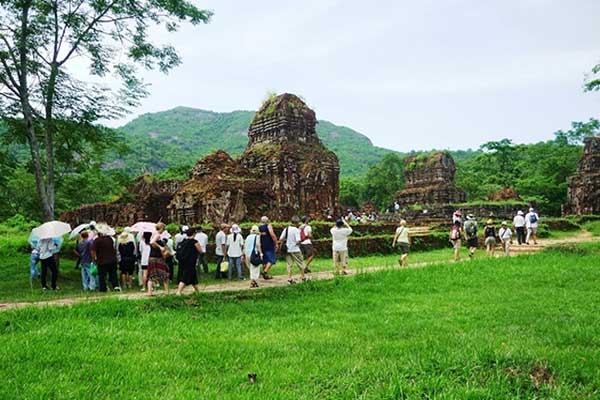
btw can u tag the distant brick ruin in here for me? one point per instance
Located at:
(285, 170)
(584, 187)
(430, 181)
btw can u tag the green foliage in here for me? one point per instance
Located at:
(593, 226)
(538, 172)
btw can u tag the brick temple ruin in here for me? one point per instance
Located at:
(285, 170)
(584, 187)
(430, 181)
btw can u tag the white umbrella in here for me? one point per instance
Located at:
(143, 227)
(78, 230)
(52, 229)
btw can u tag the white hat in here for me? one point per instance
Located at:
(519, 212)
(235, 228)
(185, 228)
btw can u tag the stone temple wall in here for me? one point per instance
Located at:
(430, 180)
(284, 171)
(584, 187)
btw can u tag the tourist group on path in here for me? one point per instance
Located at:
(153, 253)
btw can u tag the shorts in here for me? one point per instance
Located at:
(532, 230)
(308, 250)
(144, 267)
(294, 258)
(473, 242)
(490, 241)
(127, 266)
(269, 257)
(456, 243)
(404, 247)
(340, 258)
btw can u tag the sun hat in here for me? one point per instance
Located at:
(530, 209)
(184, 228)
(519, 212)
(235, 228)
(490, 221)
(504, 223)
(254, 229)
(104, 230)
(470, 216)
(125, 237)
(458, 212)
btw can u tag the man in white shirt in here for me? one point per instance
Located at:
(291, 237)
(519, 224)
(308, 250)
(202, 238)
(339, 234)
(531, 222)
(221, 249)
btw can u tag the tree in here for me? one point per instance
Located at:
(49, 108)
(384, 179)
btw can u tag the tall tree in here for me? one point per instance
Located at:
(49, 107)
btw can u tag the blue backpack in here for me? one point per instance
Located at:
(533, 218)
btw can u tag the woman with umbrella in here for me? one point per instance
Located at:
(50, 240)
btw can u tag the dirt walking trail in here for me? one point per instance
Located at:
(281, 280)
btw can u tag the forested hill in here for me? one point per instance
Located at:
(180, 136)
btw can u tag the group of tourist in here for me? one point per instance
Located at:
(525, 227)
(154, 254)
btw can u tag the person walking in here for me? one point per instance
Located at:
(48, 249)
(127, 256)
(221, 249)
(104, 254)
(235, 251)
(144, 252)
(253, 255)
(83, 250)
(505, 235)
(402, 240)
(471, 234)
(158, 271)
(489, 235)
(339, 235)
(306, 236)
(202, 238)
(519, 225)
(290, 238)
(268, 243)
(187, 253)
(456, 233)
(531, 222)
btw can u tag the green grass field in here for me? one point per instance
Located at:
(522, 327)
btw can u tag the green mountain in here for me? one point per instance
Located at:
(175, 139)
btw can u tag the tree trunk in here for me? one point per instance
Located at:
(46, 202)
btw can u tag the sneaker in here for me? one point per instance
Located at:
(117, 289)
(344, 272)
(44, 289)
(291, 281)
(242, 278)
(56, 288)
(307, 270)
(304, 280)
(266, 276)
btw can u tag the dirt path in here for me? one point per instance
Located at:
(281, 280)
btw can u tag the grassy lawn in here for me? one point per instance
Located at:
(15, 286)
(522, 327)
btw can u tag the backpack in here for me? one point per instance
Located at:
(455, 232)
(303, 236)
(471, 229)
(533, 218)
(180, 249)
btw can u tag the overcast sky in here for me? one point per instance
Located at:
(408, 74)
